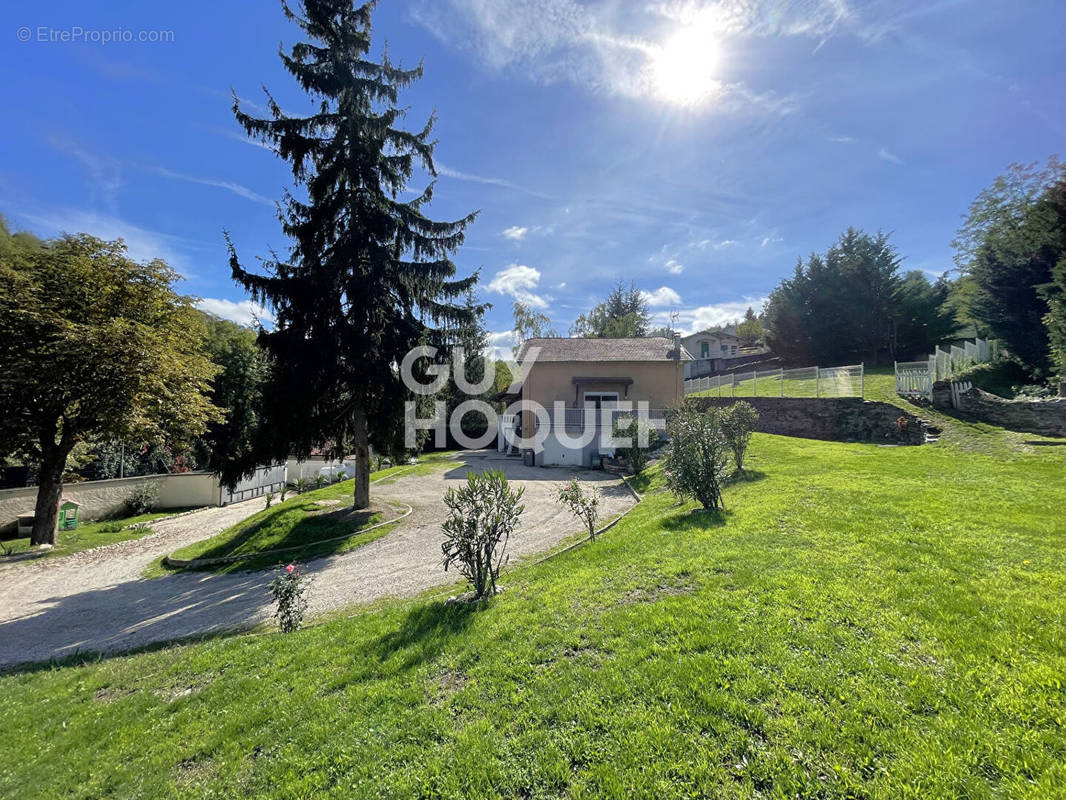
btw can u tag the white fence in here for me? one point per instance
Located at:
(803, 382)
(916, 378)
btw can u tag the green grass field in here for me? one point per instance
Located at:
(863, 622)
(306, 526)
(87, 536)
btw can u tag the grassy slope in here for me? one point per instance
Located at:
(300, 522)
(865, 622)
(93, 534)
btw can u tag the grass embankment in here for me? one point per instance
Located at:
(316, 523)
(863, 622)
(85, 537)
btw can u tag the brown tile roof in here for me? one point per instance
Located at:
(653, 348)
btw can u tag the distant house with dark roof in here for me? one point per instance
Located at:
(568, 375)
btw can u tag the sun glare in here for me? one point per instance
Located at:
(683, 70)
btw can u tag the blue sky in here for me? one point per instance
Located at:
(695, 148)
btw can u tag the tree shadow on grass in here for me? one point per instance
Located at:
(696, 520)
(746, 476)
(320, 532)
(424, 632)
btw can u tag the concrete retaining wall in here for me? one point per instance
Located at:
(838, 419)
(103, 499)
(1044, 417)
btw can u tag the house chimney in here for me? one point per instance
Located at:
(677, 346)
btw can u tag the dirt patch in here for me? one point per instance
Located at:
(444, 684)
(651, 594)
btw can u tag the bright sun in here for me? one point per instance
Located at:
(683, 69)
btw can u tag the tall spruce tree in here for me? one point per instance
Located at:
(368, 276)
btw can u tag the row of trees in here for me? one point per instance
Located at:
(853, 302)
(1011, 256)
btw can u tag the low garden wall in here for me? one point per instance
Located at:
(1043, 417)
(837, 419)
(103, 499)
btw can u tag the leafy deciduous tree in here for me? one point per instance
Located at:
(623, 314)
(96, 346)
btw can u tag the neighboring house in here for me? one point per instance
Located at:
(708, 350)
(713, 351)
(596, 373)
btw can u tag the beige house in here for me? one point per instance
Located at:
(567, 376)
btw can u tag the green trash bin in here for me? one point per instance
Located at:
(68, 515)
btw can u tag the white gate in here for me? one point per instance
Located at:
(263, 480)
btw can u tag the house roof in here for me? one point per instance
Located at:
(650, 348)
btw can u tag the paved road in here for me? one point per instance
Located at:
(97, 601)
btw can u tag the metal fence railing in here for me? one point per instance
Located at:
(802, 382)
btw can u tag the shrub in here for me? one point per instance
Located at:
(319, 481)
(301, 486)
(142, 499)
(583, 505)
(638, 430)
(342, 476)
(289, 590)
(270, 498)
(738, 422)
(695, 463)
(283, 491)
(482, 515)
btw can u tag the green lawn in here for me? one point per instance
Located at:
(306, 526)
(87, 536)
(864, 622)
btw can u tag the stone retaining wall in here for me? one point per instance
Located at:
(838, 419)
(1044, 417)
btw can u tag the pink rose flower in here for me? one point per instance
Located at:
(289, 569)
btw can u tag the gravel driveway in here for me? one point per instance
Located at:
(96, 600)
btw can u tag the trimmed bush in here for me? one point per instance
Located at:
(697, 458)
(482, 515)
(142, 499)
(738, 422)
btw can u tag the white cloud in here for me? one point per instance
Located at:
(886, 155)
(674, 267)
(596, 44)
(243, 312)
(518, 281)
(500, 344)
(841, 139)
(141, 244)
(105, 171)
(236, 188)
(769, 239)
(691, 320)
(663, 296)
(722, 245)
(487, 180)
(516, 233)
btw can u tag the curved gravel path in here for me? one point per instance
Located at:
(96, 600)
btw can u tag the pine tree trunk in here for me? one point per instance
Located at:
(49, 492)
(362, 462)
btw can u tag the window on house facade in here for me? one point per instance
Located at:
(705, 349)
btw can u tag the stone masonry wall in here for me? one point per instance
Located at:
(1044, 417)
(839, 419)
